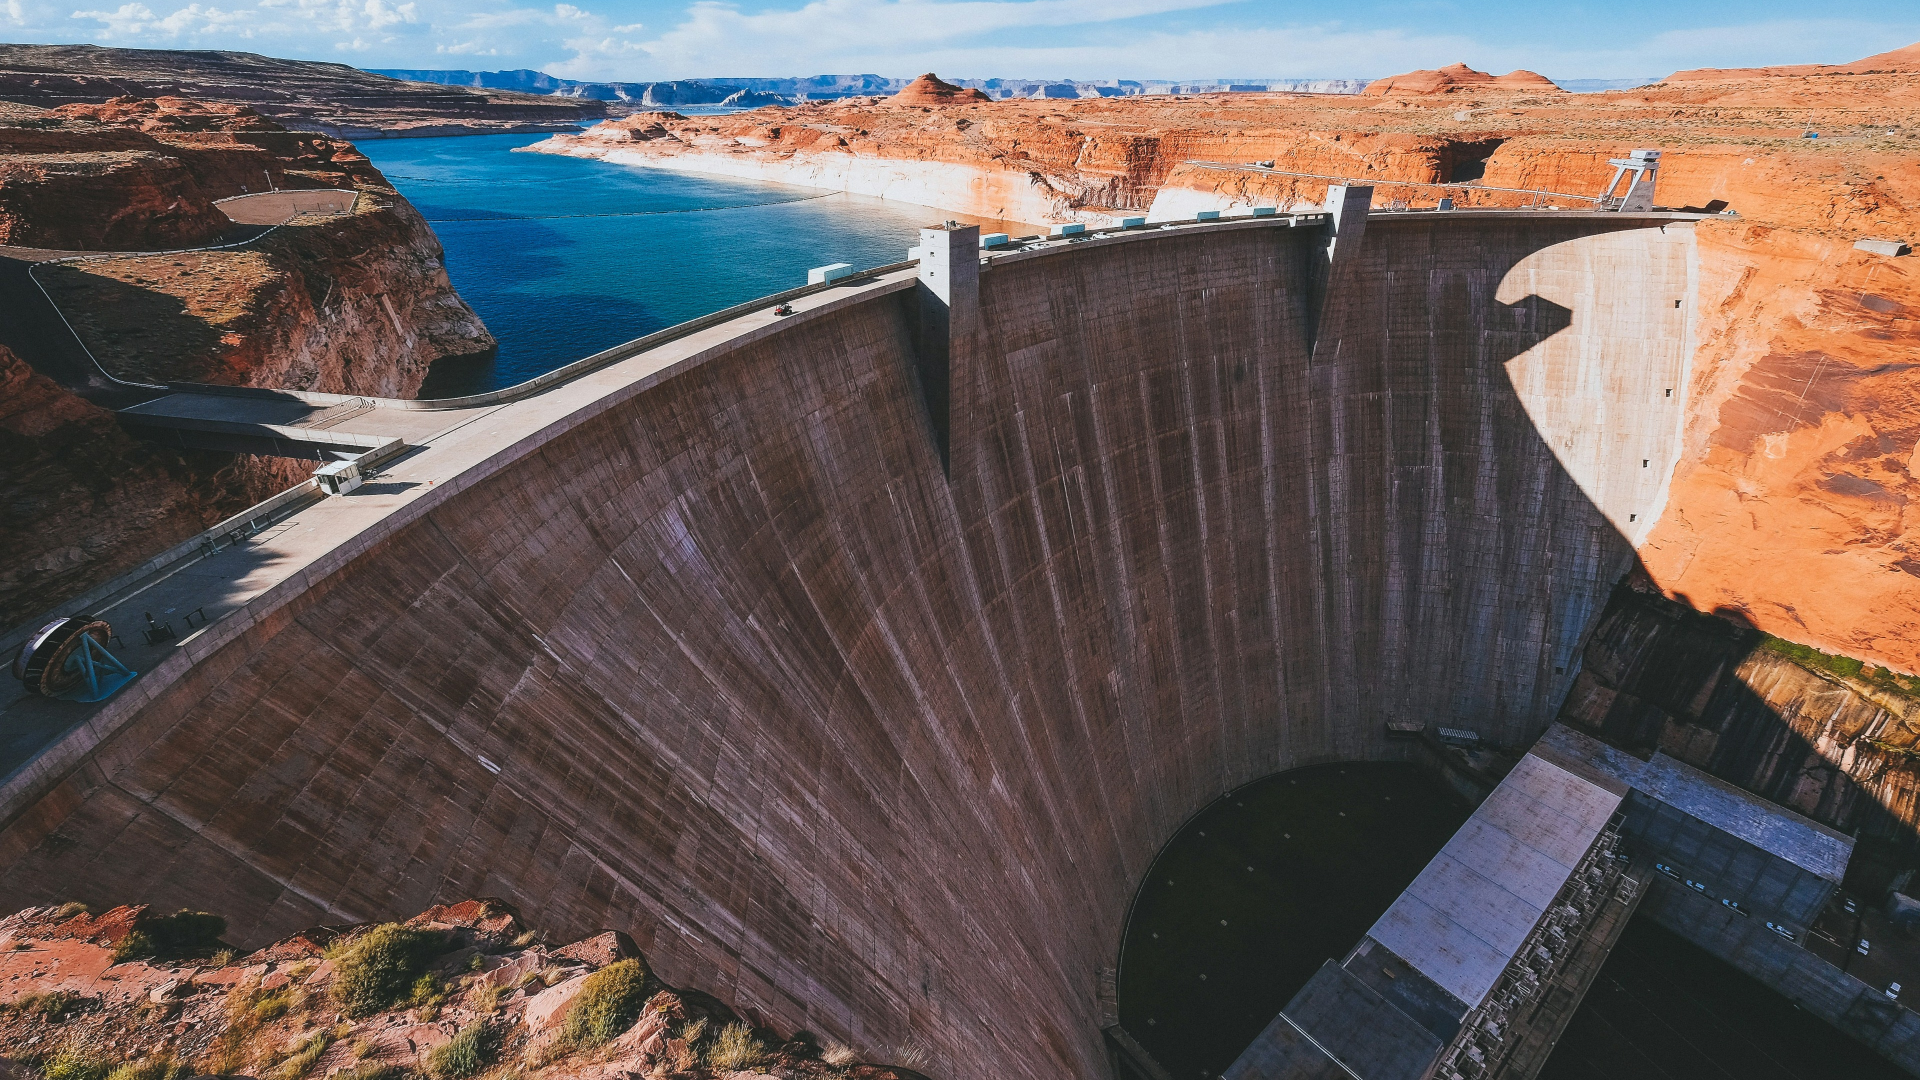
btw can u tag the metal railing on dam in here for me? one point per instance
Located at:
(710, 643)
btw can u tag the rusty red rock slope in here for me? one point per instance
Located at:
(89, 990)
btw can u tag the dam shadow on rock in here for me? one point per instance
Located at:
(731, 663)
(1706, 688)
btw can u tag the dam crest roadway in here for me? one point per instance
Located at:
(865, 655)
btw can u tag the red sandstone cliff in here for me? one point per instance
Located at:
(1831, 739)
(352, 303)
(131, 986)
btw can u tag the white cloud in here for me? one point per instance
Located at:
(465, 48)
(285, 20)
(379, 14)
(139, 21)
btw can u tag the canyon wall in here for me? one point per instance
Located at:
(984, 160)
(357, 303)
(732, 663)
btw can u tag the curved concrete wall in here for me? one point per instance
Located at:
(875, 753)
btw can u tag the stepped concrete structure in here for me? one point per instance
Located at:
(866, 702)
(1475, 970)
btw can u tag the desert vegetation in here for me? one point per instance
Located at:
(460, 993)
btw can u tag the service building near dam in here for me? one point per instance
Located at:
(860, 654)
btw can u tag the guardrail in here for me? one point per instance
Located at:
(584, 366)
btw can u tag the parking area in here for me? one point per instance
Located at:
(1891, 957)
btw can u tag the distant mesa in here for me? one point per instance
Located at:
(752, 99)
(636, 127)
(1456, 77)
(1898, 60)
(929, 89)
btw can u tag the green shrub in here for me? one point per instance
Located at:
(429, 989)
(378, 969)
(186, 931)
(304, 1056)
(272, 1005)
(75, 1063)
(135, 945)
(156, 1067)
(55, 1005)
(465, 1054)
(735, 1048)
(1846, 667)
(371, 1070)
(182, 932)
(608, 1003)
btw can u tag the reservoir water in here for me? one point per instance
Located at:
(563, 257)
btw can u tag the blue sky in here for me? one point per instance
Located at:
(1081, 39)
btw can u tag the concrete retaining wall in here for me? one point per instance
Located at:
(865, 750)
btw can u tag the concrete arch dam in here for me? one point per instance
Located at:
(717, 648)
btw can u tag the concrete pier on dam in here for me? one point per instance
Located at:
(858, 662)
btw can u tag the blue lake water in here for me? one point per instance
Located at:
(563, 257)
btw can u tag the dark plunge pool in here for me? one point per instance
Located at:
(1259, 889)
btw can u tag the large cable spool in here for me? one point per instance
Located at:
(42, 663)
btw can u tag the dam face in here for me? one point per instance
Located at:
(881, 750)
